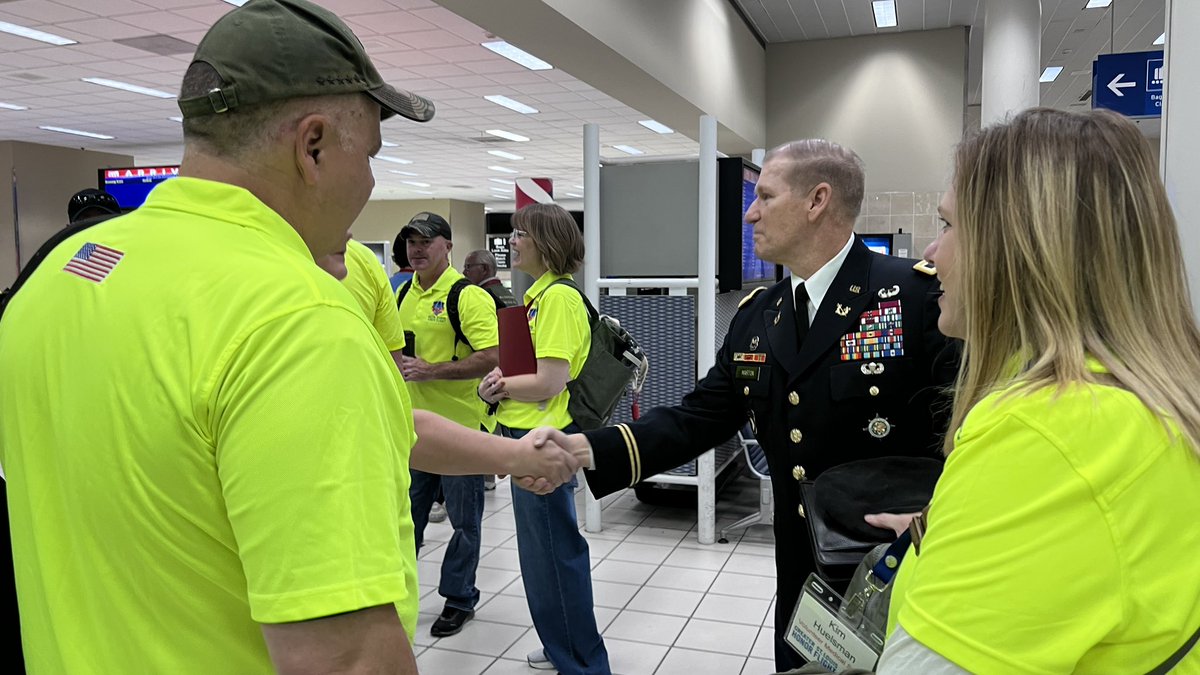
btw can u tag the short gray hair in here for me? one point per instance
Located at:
(485, 258)
(816, 161)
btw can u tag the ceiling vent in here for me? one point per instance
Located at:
(28, 77)
(488, 138)
(1087, 96)
(162, 45)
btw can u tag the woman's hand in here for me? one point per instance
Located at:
(491, 387)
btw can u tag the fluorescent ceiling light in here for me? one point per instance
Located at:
(501, 191)
(176, 119)
(572, 194)
(415, 183)
(1094, 4)
(1161, 39)
(423, 192)
(629, 150)
(517, 55)
(511, 104)
(402, 173)
(1050, 74)
(237, 3)
(389, 144)
(500, 133)
(12, 106)
(393, 160)
(505, 154)
(502, 181)
(885, 13)
(22, 31)
(579, 186)
(76, 132)
(125, 86)
(656, 127)
(502, 169)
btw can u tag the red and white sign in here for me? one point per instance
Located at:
(534, 191)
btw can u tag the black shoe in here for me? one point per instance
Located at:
(450, 622)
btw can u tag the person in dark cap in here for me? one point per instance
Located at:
(91, 203)
(230, 493)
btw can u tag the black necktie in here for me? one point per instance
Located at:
(801, 314)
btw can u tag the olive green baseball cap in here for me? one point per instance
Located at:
(272, 50)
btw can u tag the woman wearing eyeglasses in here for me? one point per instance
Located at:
(555, 564)
(1062, 536)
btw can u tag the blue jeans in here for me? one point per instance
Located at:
(464, 505)
(557, 572)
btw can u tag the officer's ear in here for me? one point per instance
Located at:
(820, 199)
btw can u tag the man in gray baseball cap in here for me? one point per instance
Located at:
(231, 495)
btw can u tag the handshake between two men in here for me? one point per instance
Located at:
(542, 460)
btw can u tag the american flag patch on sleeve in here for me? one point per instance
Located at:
(94, 262)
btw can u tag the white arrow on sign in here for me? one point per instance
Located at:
(1117, 85)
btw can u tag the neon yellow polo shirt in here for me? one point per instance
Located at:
(559, 325)
(208, 438)
(368, 283)
(1062, 539)
(424, 313)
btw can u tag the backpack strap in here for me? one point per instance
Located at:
(402, 291)
(593, 315)
(42, 252)
(452, 310)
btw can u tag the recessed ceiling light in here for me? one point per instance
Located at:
(502, 169)
(237, 3)
(393, 160)
(125, 86)
(502, 181)
(656, 127)
(176, 119)
(76, 132)
(415, 183)
(511, 104)
(501, 191)
(12, 106)
(389, 144)
(22, 31)
(505, 154)
(885, 13)
(402, 173)
(1095, 4)
(1050, 74)
(629, 150)
(1161, 39)
(517, 55)
(500, 133)
(572, 194)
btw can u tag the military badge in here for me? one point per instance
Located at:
(878, 427)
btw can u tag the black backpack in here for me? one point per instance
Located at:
(451, 308)
(46, 248)
(614, 364)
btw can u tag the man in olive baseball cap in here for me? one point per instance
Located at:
(271, 50)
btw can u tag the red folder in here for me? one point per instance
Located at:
(516, 345)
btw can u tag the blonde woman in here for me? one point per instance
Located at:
(1062, 537)
(555, 563)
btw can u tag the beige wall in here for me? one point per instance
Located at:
(46, 177)
(898, 100)
(382, 219)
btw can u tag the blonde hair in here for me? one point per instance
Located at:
(555, 236)
(1068, 249)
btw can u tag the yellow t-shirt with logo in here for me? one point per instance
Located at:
(561, 329)
(368, 283)
(1062, 538)
(209, 438)
(424, 312)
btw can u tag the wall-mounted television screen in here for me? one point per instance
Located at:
(880, 243)
(130, 185)
(736, 262)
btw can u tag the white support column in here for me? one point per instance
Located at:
(1180, 141)
(591, 263)
(1012, 57)
(706, 314)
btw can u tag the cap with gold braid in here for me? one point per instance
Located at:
(273, 50)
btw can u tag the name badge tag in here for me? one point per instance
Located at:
(746, 373)
(822, 634)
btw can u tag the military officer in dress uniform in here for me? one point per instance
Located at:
(832, 365)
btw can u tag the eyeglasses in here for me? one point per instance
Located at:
(467, 266)
(518, 234)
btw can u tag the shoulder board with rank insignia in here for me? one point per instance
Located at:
(925, 267)
(750, 296)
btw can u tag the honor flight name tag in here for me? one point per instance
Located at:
(821, 633)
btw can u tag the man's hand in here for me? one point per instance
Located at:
(576, 444)
(416, 370)
(897, 522)
(542, 464)
(491, 387)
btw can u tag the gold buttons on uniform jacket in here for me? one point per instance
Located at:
(795, 435)
(746, 391)
(798, 472)
(874, 391)
(800, 510)
(794, 398)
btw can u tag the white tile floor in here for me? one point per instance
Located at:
(666, 604)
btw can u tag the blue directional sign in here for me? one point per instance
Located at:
(1130, 83)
